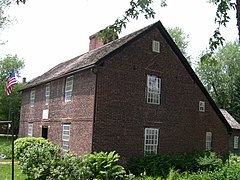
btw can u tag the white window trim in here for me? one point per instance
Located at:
(208, 140)
(154, 96)
(150, 141)
(47, 93)
(201, 106)
(68, 88)
(65, 136)
(32, 96)
(235, 142)
(156, 46)
(30, 129)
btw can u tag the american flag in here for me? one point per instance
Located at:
(10, 83)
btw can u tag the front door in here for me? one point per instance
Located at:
(45, 132)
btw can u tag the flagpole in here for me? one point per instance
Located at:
(9, 85)
(12, 145)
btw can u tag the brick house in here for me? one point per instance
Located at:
(135, 95)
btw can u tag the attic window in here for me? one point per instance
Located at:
(201, 106)
(156, 46)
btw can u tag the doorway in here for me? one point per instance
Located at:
(45, 132)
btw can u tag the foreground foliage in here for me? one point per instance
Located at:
(206, 167)
(21, 144)
(39, 159)
(46, 161)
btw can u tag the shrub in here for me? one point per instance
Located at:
(69, 166)
(102, 165)
(161, 164)
(209, 162)
(36, 161)
(23, 143)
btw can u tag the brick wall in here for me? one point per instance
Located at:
(78, 113)
(122, 112)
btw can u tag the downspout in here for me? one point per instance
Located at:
(94, 71)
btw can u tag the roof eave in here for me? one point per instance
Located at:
(58, 77)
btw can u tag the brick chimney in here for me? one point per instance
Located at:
(95, 42)
(24, 80)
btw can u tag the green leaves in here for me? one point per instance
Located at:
(40, 159)
(137, 7)
(219, 72)
(222, 18)
(181, 39)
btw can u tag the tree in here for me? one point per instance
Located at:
(143, 7)
(181, 40)
(4, 20)
(220, 74)
(10, 103)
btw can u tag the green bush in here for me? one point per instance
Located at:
(102, 165)
(209, 162)
(23, 143)
(36, 161)
(69, 166)
(160, 165)
(40, 159)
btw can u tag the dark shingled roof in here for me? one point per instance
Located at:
(232, 122)
(83, 61)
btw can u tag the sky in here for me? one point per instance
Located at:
(47, 32)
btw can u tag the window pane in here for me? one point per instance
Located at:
(208, 140)
(68, 88)
(47, 93)
(235, 142)
(151, 140)
(153, 89)
(65, 136)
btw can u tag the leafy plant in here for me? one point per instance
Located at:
(36, 161)
(102, 165)
(24, 143)
(209, 162)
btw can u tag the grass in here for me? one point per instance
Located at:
(6, 169)
(6, 146)
(6, 172)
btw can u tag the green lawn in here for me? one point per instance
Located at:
(6, 172)
(6, 169)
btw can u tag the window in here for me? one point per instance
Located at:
(32, 96)
(208, 140)
(30, 129)
(68, 88)
(153, 89)
(150, 141)
(65, 136)
(235, 142)
(156, 46)
(47, 93)
(201, 106)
